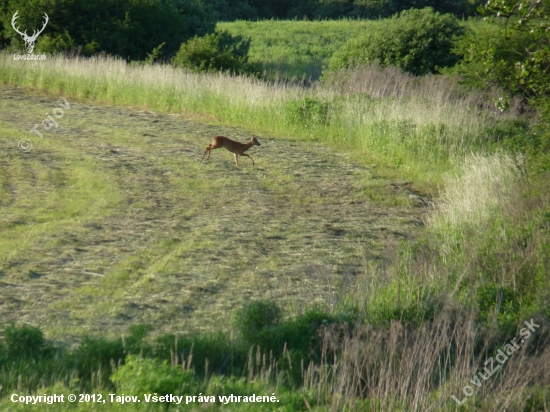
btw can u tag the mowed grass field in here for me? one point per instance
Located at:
(111, 220)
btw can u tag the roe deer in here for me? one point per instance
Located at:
(237, 148)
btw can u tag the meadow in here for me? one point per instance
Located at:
(391, 238)
(295, 50)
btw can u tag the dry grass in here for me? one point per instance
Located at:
(413, 125)
(116, 222)
(111, 220)
(483, 187)
(404, 369)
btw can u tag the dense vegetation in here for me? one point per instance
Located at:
(417, 41)
(132, 29)
(296, 50)
(215, 52)
(409, 332)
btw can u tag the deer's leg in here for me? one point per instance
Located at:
(244, 154)
(204, 154)
(210, 148)
(236, 159)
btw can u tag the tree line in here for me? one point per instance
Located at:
(136, 29)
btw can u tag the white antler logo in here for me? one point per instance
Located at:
(29, 40)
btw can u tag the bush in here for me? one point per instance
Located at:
(498, 304)
(144, 375)
(215, 52)
(496, 55)
(25, 343)
(417, 41)
(255, 317)
(95, 355)
(134, 342)
(260, 324)
(488, 58)
(222, 355)
(300, 335)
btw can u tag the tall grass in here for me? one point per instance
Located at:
(481, 191)
(486, 246)
(418, 134)
(452, 296)
(420, 369)
(361, 368)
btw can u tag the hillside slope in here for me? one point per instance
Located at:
(110, 220)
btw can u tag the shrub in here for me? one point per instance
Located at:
(25, 343)
(257, 316)
(300, 335)
(517, 60)
(95, 355)
(215, 52)
(417, 41)
(222, 355)
(3, 354)
(488, 58)
(134, 342)
(144, 375)
(498, 303)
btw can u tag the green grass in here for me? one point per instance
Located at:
(111, 221)
(114, 219)
(413, 126)
(295, 50)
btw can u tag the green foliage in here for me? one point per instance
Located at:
(93, 355)
(417, 41)
(498, 303)
(3, 354)
(226, 10)
(300, 335)
(134, 342)
(396, 302)
(127, 28)
(132, 29)
(290, 342)
(155, 55)
(519, 136)
(215, 349)
(512, 52)
(295, 50)
(230, 10)
(25, 343)
(541, 138)
(257, 316)
(144, 375)
(489, 58)
(223, 385)
(307, 112)
(215, 52)
(532, 17)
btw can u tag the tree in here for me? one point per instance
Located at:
(215, 52)
(417, 41)
(131, 29)
(516, 56)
